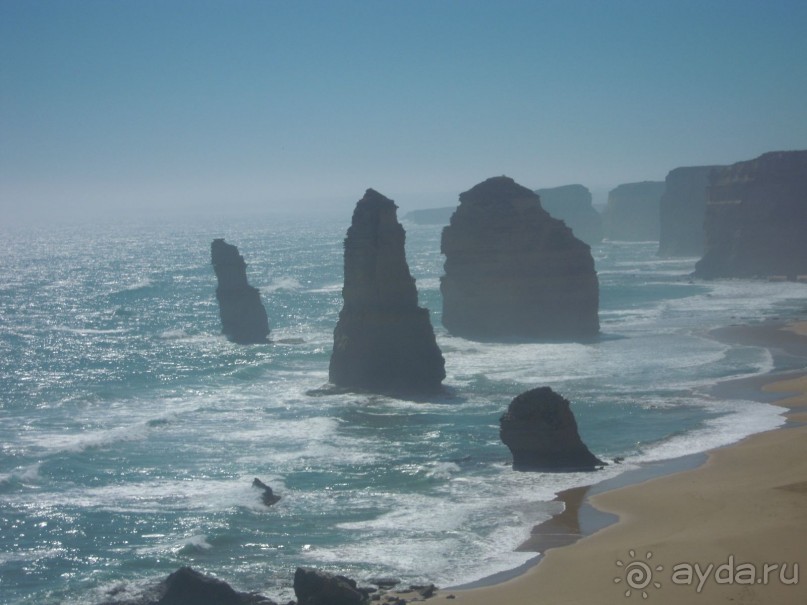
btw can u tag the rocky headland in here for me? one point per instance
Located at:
(682, 211)
(756, 218)
(383, 341)
(572, 205)
(632, 213)
(243, 316)
(513, 273)
(540, 430)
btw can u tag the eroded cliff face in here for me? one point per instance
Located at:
(383, 342)
(632, 213)
(572, 205)
(540, 430)
(243, 316)
(513, 273)
(756, 218)
(682, 212)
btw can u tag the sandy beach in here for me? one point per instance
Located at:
(733, 530)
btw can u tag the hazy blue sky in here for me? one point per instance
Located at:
(158, 104)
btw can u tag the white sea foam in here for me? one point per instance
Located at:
(328, 289)
(282, 283)
(85, 440)
(738, 419)
(139, 284)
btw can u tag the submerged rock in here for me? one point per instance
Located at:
(314, 587)
(541, 432)
(243, 316)
(632, 213)
(383, 342)
(268, 497)
(756, 218)
(514, 273)
(572, 204)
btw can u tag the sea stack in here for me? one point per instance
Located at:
(383, 341)
(632, 213)
(756, 218)
(683, 210)
(513, 273)
(243, 316)
(572, 205)
(541, 433)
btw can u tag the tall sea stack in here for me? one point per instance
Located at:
(572, 205)
(243, 317)
(683, 211)
(756, 218)
(513, 273)
(383, 342)
(632, 213)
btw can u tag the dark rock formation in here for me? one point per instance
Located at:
(683, 210)
(514, 273)
(572, 205)
(756, 218)
(268, 497)
(383, 342)
(632, 213)
(188, 587)
(431, 216)
(541, 432)
(243, 317)
(314, 587)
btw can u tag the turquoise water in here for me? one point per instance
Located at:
(131, 430)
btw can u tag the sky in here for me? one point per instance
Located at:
(156, 106)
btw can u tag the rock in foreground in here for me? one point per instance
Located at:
(541, 432)
(756, 218)
(243, 316)
(383, 342)
(513, 273)
(314, 587)
(188, 587)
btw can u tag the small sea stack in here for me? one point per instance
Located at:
(540, 430)
(383, 341)
(513, 273)
(243, 316)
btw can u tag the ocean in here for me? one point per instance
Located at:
(131, 429)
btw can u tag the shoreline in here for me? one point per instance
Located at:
(574, 567)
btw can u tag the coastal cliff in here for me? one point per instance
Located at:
(514, 273)
(383, 342)
(243, 316)
(632, 213)
(540, 430)
(572, 205)
(756, 218)
(682, 211)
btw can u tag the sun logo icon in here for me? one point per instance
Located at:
(638, 574)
